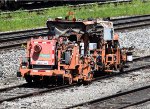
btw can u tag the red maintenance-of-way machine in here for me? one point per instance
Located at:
(73, 51)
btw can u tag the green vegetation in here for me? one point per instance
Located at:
(28, 20)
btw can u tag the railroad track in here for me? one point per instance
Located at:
(119, 24)
(131, 22)
(12, 87)
(88, 3)
(12, 46)
(25, 90)
(18, 35)
(119, 100)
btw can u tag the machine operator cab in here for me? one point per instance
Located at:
(76, 31)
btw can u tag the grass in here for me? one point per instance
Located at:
(28, 20)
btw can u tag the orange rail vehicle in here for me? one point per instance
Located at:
(72, 52)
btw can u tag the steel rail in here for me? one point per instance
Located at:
(114, 96)
(28, 31)
(12, 46)
(141, 58)
(128, 17)
(101, 3)
(37, 93)
(136, 103)
(12, 87)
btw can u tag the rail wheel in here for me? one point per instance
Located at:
(60, 80)
(28, 79)
(36, 79)
(53, 80)
(69, 79)
(89, 78)
(121, 67)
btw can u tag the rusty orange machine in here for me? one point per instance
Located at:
(111, 58)
(72, 52)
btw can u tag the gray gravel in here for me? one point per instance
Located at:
(9, 66)
(9, 60)
(139, 39)
(7, 82)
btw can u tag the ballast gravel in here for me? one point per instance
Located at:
(9, 65)
(63, 98)
(8, 82)
(9, 61)
(139, 39)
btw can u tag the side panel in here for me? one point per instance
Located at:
(43, 52)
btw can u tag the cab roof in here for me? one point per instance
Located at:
(65, 24)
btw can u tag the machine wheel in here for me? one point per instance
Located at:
(90, 76)
(121, 67)
(28, 79)
(53, 80)
(36, 79)
(68, 80)
(60, 80)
